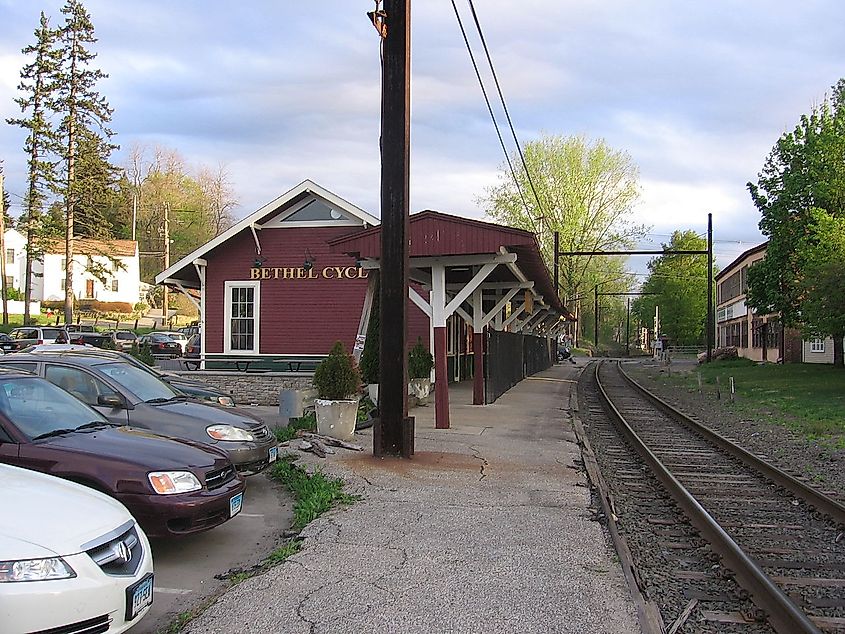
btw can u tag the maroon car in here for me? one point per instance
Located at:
(172, 487)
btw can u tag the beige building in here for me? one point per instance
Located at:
(757, 337)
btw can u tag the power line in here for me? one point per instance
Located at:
(504, 105)
(489, 107)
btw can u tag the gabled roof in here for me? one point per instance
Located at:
(89, 246)
(434, 233)
(742, 256)
(267, 212)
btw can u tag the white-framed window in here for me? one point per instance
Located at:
(817, 345)
(243, 303)
(10, 256)
(114, 285)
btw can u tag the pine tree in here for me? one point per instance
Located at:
(84, 112)
(37, 85)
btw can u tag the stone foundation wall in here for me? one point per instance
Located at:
(252, 388)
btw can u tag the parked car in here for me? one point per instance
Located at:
(160, 345)
(79, 327)
(96, 339)
(179, 337)
(129, 395)
(73, 559)
(193, 350)
(172, 487)
(190, 331)
(34, 335)
(7, 344)
(191, 387)
(123, 339)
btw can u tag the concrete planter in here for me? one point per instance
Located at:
(336, 418)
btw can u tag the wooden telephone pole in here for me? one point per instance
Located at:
(393, 434)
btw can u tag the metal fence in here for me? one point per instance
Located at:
(510, 358)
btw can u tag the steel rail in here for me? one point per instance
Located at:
(784, 616)
(814, 498)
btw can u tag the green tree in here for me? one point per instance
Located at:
(587, 191)
(804, 171)
(680, 284)
(823, 285)
(84, 113)
(37, 87)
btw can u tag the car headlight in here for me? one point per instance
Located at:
(228, 432)
(35, 570)
(170, 482)
(226, 401)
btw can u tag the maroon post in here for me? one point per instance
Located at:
(478, 368)
(441, 380)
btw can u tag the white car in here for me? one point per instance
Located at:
(71, 559)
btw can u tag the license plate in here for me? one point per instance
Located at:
(138, 596)
(274, 454)
(235, 504)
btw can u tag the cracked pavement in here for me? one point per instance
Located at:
(487, 529)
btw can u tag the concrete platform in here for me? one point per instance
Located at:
(487, 529)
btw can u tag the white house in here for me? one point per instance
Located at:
(105, 270)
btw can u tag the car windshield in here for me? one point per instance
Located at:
(51, 333)
(143, 384)
(37, 407)
(125, 335)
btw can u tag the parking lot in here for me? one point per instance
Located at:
(185, 568)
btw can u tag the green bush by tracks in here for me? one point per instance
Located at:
(808, 398)
(315, 493)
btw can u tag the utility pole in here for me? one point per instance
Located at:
(164, 310)
(596, 318)
(393, 433)
(710, 325)
(557, 263)
(3, 251)
(628, 330)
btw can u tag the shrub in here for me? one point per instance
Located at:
(142, 354)
(420, 361)
(95, 305)
(370, 355)
(337, 377)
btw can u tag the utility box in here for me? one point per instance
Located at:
(294, 402)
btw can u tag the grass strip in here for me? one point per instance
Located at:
(315, 493)
(807, 398)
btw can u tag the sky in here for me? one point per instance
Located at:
(278, 92)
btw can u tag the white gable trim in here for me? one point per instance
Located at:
(251, 220)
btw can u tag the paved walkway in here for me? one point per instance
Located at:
(486, 530)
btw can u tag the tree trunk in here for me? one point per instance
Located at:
(838, 358)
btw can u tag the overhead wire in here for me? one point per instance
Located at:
(489, 106)
(504, 106)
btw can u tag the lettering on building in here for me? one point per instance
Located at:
(300, 273)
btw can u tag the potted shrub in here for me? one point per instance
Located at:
(337, 382)
(420, 363)
(370, 355)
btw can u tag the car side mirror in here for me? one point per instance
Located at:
(111, 400)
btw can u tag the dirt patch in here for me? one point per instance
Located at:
(422, 461)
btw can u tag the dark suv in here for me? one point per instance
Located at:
(128, 395)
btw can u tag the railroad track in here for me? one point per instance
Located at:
(776, 540)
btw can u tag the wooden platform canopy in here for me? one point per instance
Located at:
(490, 275)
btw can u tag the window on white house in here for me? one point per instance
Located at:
(114, 285)
(10, 281)
(63, 283)
(242, 311)
(10, 256)
(817, 345)
(64, 264)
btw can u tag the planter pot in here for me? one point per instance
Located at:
(372, 392)
(336, 418)
(420, 388)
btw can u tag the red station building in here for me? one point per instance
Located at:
(278, 288)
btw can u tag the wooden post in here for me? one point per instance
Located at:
(392, 437)
(3, 253)
(710, 325)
